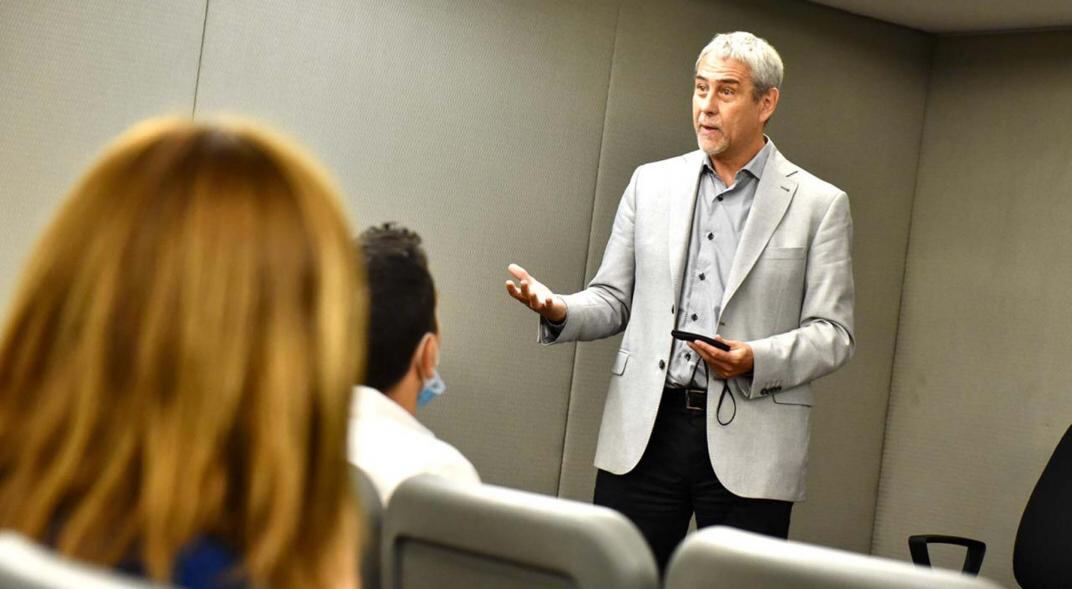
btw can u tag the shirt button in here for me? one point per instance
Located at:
(688, 356)
(702, 277)
(671, 309)
(695, 317)
(718, 198)
(710, 236)
(662, 364)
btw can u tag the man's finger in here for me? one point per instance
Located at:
(518, 272)
(516, 295)
(721, 365)
(708, 350)
(720, 358)
(702, 353)
(733, 344)
(512, 289)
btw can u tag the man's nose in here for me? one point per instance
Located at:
(708, 104)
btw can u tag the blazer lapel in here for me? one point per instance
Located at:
(682, 196)
(773, 195)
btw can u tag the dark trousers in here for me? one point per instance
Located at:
(674, 479)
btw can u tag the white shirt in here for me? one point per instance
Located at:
(390, 445)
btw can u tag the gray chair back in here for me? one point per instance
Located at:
(25, 565)
(725, 557)
(372, 510)
(445, 535)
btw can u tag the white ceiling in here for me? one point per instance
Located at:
(963, 16)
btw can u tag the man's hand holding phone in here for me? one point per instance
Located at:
(727, 358)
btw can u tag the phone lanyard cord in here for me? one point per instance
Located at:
(721, 398)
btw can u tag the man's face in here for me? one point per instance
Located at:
(725, 115)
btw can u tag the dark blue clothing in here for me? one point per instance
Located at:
(203, 564)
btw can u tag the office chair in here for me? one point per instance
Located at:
(372, 510)
(26, 565)
(440, 534)
(1042, 554)
(726, 557)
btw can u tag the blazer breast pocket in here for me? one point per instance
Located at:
(618, 368)
(783, 253)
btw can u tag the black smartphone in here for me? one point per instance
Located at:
(688, 336)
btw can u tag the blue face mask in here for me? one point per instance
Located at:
(433, 387)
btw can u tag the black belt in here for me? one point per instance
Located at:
(695, 399)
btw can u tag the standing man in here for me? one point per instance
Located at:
(735, 240)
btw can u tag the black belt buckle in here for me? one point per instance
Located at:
(695, 399)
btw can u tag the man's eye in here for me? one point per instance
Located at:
(701, 88)
(727, 91)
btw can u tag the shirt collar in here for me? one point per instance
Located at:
(755, 165)
(373, 402)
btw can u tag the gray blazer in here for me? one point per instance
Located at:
(789, 295)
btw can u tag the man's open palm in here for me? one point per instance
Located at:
(533, 294)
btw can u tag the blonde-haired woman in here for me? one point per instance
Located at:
(175, 372)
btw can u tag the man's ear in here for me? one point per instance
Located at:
(768, 103)
(426, 356)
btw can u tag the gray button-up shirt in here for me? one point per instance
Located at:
(717, 223)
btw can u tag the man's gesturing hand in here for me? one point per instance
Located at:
(737, 361)
(535, 295)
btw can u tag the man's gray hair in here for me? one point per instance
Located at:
(763, 61)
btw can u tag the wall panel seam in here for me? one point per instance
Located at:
(200, 58)
(901, 298)
(591, 232)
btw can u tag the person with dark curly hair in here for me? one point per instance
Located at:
(386, 440)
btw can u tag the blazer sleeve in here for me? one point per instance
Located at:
(824, 341)
(602, 309)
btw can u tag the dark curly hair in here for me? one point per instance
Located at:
(402, 301)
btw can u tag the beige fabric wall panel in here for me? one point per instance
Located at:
(478, 124)
(852, 113)
(979, 396)
(72, 76)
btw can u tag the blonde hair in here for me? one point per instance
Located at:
(178, 360)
